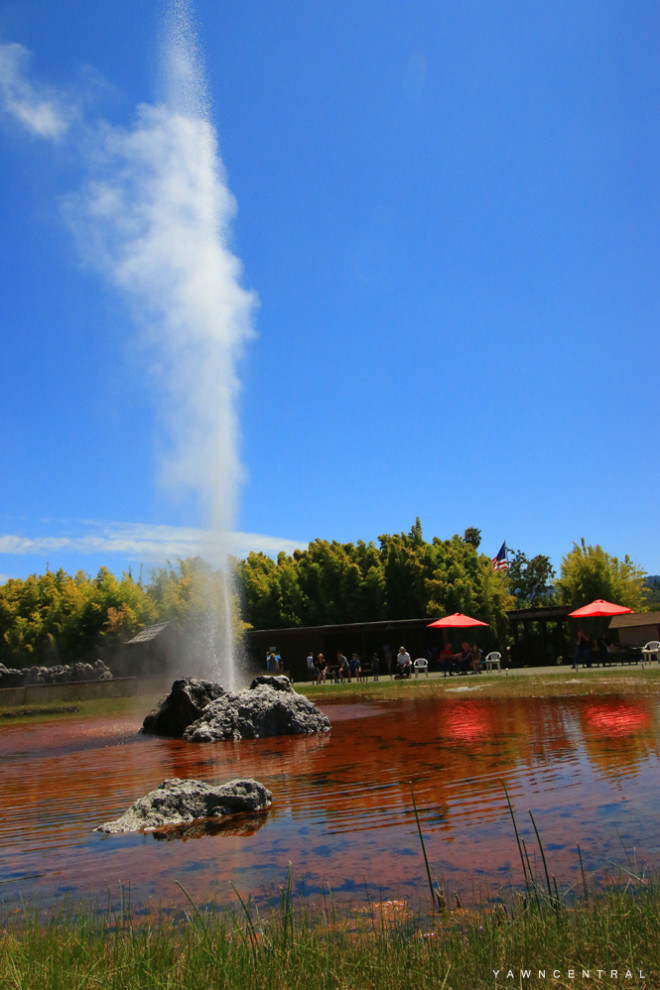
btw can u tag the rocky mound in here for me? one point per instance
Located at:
(57, 674)
(177, 802)
(263, 710)
(183, 705)
(201, 711)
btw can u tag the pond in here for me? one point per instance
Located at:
(342, 813)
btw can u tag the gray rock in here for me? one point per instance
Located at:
(56, 674)
(264, 710)
(177, 802)
(277, 681)
(182, 706)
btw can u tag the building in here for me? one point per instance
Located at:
(541, 635)
(155, 651)
(636, 628)
(364, 638)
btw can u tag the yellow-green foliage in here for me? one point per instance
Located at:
(588, 573)
(403, 577)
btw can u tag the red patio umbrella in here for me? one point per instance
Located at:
(597, 608)
(456, 621)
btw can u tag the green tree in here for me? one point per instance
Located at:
(403, 555)
(530, 581)
(404, 577)
(258, 592)
(652, 583)
(589, 572)
(472, 535)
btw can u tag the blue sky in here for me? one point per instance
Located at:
(445, 247)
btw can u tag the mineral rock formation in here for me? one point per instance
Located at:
(57, 674)
(201, 711)
(265, 709)
(277, 681)
(185, 703)
(177, 801)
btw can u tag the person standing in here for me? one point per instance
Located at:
(343, 668)
(582, 650)
(272, 663)
(311, 666)
(375, 665)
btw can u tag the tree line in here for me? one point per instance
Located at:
(56, 617)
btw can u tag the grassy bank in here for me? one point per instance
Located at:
(381, 946)
(562, 682)
(87, 708)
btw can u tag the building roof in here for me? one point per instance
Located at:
(346, 626)
(635, 619)
(540, 613)
(149, 633)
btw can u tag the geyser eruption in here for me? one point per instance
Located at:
(157, 217)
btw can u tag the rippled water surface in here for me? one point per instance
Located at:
(342, 813)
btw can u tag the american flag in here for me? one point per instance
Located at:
(499, 562)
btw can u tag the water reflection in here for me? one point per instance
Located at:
(342, 812)
(236, 825)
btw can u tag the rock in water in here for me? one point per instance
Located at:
(202, 711)
(280, 682)
(185, 703)
(263, 710)
(177, 801)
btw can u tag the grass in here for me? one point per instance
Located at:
(86, 708)
(563, 683)
(384, 946)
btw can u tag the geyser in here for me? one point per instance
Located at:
(156, 219)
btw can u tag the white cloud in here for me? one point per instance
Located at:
(146, 543)
(41, 111)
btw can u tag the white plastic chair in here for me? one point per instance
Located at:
(421, 665)
(651, 651)
(492, 660)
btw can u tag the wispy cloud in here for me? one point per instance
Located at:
(145, 543)
(40, 110)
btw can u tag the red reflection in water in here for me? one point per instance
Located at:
(616, 718)
(342, 811)
(469, 721)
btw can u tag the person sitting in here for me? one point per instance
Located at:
(464, 659)
(321, 669)
(403, 662)
(477, 657)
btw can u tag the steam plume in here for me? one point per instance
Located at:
(155, 218)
